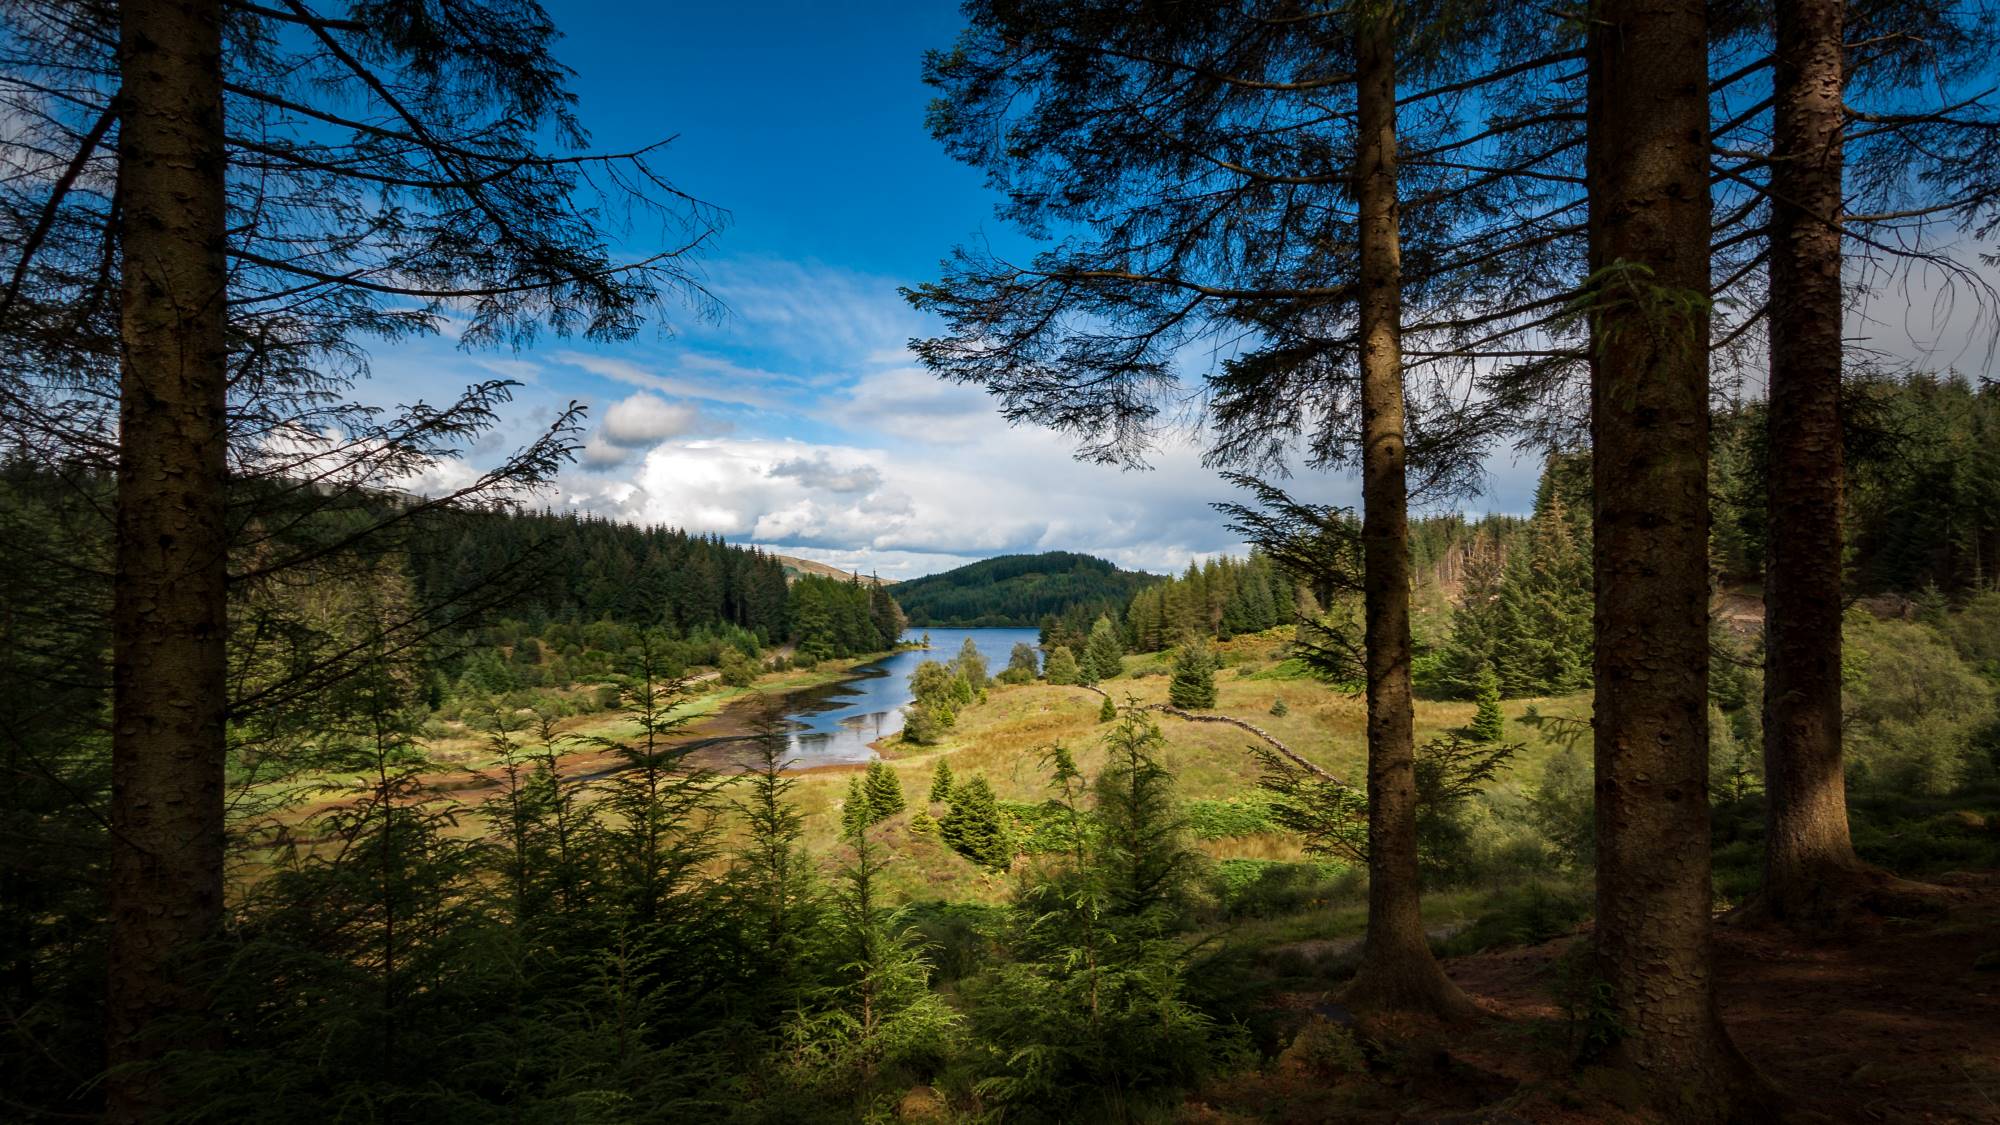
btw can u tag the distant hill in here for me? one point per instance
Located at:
(795, 566)
(1019, 590)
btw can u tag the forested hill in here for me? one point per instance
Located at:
(581, 567)
(1020, 590)
(547, 569)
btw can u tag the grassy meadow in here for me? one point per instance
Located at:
(1005, 736)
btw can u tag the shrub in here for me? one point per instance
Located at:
(1266, 888)
(959, 936)
(972, 826)
(921, 725)
(1927, 835)
(1089, 1018)
(1450, 773)
(1323, 1049)
(1527, 914)
(884, 790)
(1039, 829)
(737, 669)
(1193, 685)
(1062, 667)
(1975, 632)
(1563, 808)
(1735, 768)
(1489, 725)
(1914, 709)
(1219, 820)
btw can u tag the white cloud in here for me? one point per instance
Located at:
(851, 453)
(868, 461)
(908, 509)
(911, 404)
(645, 419)
(598, 453)
(819, 471)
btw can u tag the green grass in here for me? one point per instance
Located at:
(1212, 819)
(1005, 739)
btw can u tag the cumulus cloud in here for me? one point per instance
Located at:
(638, 422)
(915, 405)
(860, 457)
(819, 471)
(805, 425)
(904, 509)
(598, 453)
(645, 419)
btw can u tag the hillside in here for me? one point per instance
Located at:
(1019, 590)
(796, 567)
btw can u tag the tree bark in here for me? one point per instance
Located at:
(1811, 874)
(168, 608)
(1397, 971)
(1649, 225)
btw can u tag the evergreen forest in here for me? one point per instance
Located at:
(1556, 450)
(1018, 590)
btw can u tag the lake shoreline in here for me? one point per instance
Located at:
(846, 722)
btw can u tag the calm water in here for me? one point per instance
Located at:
(834, 723)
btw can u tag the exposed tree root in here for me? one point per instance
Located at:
(1842, 900)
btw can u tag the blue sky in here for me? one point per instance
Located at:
(799, 421)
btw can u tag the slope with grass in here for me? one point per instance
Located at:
(1006, 737)
(796, 566)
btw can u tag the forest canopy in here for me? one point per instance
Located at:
(1019, 590)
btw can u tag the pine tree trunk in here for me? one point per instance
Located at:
(1649, 239)
(168, 609)
(1810, 870)
(1397, 970)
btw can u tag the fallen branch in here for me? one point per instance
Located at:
(1291, 755)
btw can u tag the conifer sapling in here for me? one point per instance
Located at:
(1489, 725)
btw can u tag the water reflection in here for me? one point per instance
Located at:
(833, 724)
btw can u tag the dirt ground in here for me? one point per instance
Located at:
(1897, 1022)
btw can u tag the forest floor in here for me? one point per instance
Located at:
(1899, 1021)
